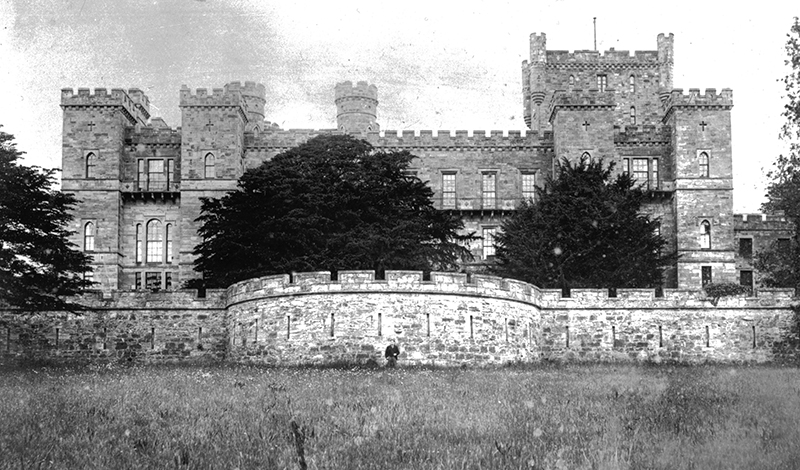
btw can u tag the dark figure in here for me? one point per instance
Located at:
(392, 352)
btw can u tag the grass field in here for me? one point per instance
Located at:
(565, 417)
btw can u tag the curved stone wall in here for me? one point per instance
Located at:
(489, 320)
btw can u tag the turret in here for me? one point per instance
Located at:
(665, 61)
(356, 107)
(533, 81)
(254, 95)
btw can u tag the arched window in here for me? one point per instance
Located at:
(705, 234)
(169, 243)
(139, 243)
(155, 246)
(632, 84)
(633, 115)
(88, 237)
(704, 165)
(90, 163)
(587, 156)
(210, 170)
(255, 131)
(571, 80)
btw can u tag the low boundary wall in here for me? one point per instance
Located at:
(452, 319)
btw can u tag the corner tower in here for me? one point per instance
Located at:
(356, 107)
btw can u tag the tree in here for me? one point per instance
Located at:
(779, 265)
(585, 229)
(39, 266)
(332, 203)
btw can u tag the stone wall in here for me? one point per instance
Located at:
(449, 320)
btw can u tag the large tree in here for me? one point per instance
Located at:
(332, 203)
(39, 266)
(585, 229)
(778, 264)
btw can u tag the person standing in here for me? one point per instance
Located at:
(392, 353)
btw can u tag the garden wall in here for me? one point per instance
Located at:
(451, 319)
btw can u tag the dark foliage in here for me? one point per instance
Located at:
(38, 264)
(781, 268)
(333, 203)
(584, 230)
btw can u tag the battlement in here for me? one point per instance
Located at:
(248, 89)
(676, 98)
(218, 97)
(360, 90)
(610, 56)
(761, 222)
(154, 135)
(580, 99)
(136, 106)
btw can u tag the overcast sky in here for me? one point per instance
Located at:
(436, 67)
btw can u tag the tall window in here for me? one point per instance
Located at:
(488, 241)
(139, 243)
(746, 278)
(705, 273)
(169, 243)
(210, 166)
(90, 163)
(655, 173)
(633, 115)
(705, 234)
(156, 176)
(529, 186)
(587, 156)
(632, 84)
(170, 171)
(141, 175)
(489, 190)
(88, 237)
(602, 82)
(448, 190)
(137, 281)
(640, 170)
(704, 165)
(155, 246)
(572, 80)
(626, 166)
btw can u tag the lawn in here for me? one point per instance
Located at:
(548, 417)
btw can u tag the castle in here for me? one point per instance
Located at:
(140, 181)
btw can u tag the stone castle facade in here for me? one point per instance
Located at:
(140, 181)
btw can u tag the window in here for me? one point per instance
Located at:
(255, 131)
(626, 166)
(156, 176)
(155, 248)
(168, 280)
(640, 170)
(210, 168)
(655, 173)
(90, 164)
(152, 281)
(448, 190)
(602, 82)
(137, 281)
(488, 241)
(746, 278)
(572, 80)
(632, 84)
(705, 235)
(139, 243)
(587, 156)
(746, 247)
(529, 186)
(170, 171)
(169, 243)
(88, 237)
(704, 173)
(141, 175)
(633, 115)
(488, 190)
(705, 273)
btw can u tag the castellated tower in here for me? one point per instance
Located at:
(703, 201)
(356, 107)
(93, 165)
(212, 152)
(534, 81)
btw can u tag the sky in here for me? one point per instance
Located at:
(436, 66)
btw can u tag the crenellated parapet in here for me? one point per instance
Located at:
(610, 59)
(164, 136)
(711, 99)
(346, 90)
(135, 106)
(761, 222)
(356, 107)
(580, 100)
(254, 95)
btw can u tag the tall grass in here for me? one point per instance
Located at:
(568, 417)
